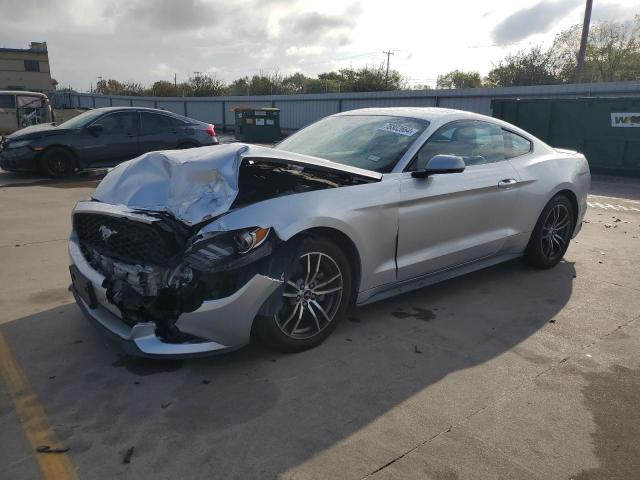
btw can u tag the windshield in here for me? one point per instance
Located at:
(372, 142)
(82, 119)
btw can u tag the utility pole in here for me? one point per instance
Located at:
(175, 80)
(386, 77)
(583, 40)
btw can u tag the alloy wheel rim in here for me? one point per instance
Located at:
(57, 165)
(311, 296)
(555, 232)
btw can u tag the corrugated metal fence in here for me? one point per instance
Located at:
(300, 110)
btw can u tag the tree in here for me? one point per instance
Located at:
(365, 79)
(239, 86)
(132, 88)
(296, 83)
(613, 52)
(162, 88)
(526, 67)
(459, 79)
(109, 87)
(203, 85)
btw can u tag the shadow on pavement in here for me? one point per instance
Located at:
(627, 188)
(256, 414)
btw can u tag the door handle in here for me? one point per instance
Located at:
(507, 182)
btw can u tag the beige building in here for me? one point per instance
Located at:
(26, 69)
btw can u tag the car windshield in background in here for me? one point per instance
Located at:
(372, 142)
(82, 119)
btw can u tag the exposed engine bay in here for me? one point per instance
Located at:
(161, 268)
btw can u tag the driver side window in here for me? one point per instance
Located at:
(475, 142)
(118, 123)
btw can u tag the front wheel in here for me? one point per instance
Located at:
(552, 233)
(57, 163)
(316, 295)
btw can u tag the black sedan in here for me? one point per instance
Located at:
(102, 137)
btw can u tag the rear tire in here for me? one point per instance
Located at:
(551, 236)
(316, 297)
(57, 163)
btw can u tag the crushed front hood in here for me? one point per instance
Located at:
(197, 184)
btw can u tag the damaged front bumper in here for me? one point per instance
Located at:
(216, 326)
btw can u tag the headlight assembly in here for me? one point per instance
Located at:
(227, 248)
(247, 240)
(18, 144)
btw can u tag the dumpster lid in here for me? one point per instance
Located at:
(250, 109)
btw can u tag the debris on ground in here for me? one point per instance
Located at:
(552, 320)
(127, 455)
(49, 449)
(165, 405)
(607, 225)
(416, 349)
(206, 381)
(348, 339)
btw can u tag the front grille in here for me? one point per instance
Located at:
(124, 239)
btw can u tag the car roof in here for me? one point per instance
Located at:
(438, 116)
(422, 113)
(143, 109)
(22, 92)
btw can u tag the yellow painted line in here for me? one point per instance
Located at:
(36, 425)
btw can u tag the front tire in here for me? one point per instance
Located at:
(316, 295)
(57, 163)
(552, 233)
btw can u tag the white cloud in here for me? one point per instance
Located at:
(162, 70)
(91, 38)
(305, 51)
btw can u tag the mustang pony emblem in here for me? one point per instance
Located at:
(106, 232)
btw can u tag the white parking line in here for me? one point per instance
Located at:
(608, 206)
(591, 196)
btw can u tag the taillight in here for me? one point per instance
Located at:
(211, 130)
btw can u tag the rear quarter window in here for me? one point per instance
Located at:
(515, 145)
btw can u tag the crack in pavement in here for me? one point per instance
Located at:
(26, 244)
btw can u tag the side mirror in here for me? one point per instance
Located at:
(95, 129)
(441, 164)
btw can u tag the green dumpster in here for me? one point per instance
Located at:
(257, 124)
(605, 129)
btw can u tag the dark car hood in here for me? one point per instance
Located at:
(200, 183)
(37, 131)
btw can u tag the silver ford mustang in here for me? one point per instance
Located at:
(183, 253)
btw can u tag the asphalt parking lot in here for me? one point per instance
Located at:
(504, 373)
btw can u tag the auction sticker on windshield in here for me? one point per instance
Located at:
(400, 129)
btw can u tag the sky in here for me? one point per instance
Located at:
(148, 40)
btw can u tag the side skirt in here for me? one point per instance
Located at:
(391, 290)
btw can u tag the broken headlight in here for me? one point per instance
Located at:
(249, 239)
(223, 247)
